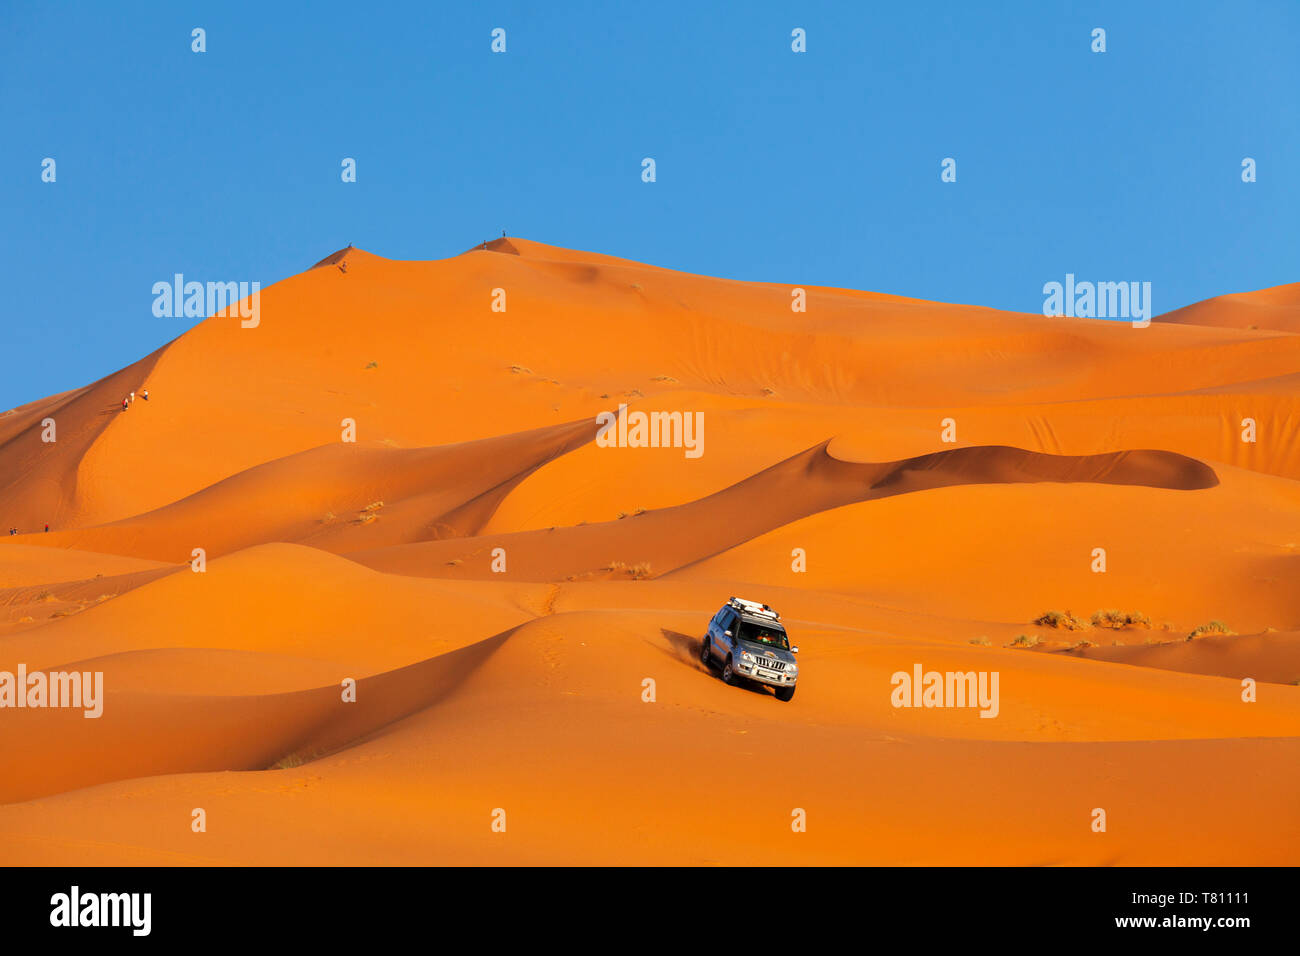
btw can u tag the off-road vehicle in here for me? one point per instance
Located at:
(749, 641)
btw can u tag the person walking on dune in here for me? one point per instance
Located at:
(124, 403)
(132, 397)
(144, 393)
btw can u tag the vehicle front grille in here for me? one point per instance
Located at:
(771, 663)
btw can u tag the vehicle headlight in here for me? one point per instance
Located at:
(746, 656)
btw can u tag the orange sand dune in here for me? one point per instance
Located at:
(359, 338)
(283, 599)
(338, 497)
(1233, 555)
(912, 484)
(1272, 657)
(818, 479)
(1276, 309)
(494, 723)
(24, 565)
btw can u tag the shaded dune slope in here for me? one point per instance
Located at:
(215, 733)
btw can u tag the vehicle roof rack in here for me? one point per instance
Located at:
(753, 607)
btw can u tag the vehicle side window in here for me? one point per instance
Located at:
(724, 619)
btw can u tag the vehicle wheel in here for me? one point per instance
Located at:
(784, 693)
(705, 657)
(728, 675)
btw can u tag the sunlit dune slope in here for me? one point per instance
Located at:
(415, 355)
(1276, 309)
(462, 734)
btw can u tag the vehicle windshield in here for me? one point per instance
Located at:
(770, 634)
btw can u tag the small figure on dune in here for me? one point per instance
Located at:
(132, 396)
(47, 527)
(124, 404)
(145, 394)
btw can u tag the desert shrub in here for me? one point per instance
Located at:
(1208, 630)
(296, 759)
(636, 571)
(1060, 619)
(1117, 619)
(1025, 640)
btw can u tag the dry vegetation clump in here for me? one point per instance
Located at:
(635, 571)
(1213, 629)
(1064, 620)
(1118, 619)
(296, 759)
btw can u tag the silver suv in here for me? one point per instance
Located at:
(749, 641)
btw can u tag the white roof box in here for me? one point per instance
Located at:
(753, 607)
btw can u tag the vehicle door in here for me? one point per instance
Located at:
(726, 622)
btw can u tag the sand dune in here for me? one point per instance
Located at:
(474, 746)
(338, 497)
(657, 542)
(1275, 309)
(501, 586)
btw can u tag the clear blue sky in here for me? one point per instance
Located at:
(819, 168)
